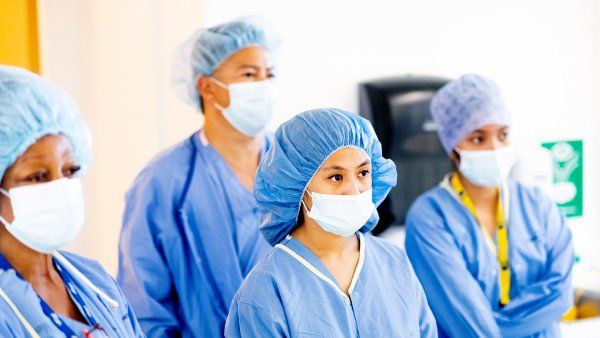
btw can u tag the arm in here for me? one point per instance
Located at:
(247, 320)
(460, 306)
(539, 305)
(143, 273)
(427, 324)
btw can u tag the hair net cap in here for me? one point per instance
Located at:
(30, 108)
(301, 146)
(206, 49)
(465, 105)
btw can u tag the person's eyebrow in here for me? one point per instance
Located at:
(334, 167)
(338, 167)
(364, 163)
(257, 68)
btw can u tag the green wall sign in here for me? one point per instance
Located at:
(568, 175)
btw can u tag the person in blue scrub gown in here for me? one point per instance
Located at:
(190, 228)
(495, 257)
(44, 291)
(326, 276)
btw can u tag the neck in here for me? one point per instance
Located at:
(30, 264)
(228, 141)
(321, 242)
(479, 195)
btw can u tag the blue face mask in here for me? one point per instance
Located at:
(342, 215)
(487, 168)
(251, 105)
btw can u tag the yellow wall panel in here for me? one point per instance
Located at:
(19, 45)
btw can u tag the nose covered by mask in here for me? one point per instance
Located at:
(487, 168)
(342, 215)
(47, 216)
(251, 105)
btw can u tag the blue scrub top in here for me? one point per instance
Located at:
(292, 294)
(459, 271)
(190, 236)
(115, 317)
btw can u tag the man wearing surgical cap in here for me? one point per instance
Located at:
(45, 291)
(190, 229)
(494, 256)
(326, 276)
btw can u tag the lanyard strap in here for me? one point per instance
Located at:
(501, 235)
(52, 316)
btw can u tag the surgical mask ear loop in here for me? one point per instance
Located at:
(302, 201)
(2, 220)
(219, 83)
(222, 85)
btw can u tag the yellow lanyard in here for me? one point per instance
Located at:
(501, 234)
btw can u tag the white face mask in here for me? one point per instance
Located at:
(487, 168)
(251, 105)
(47, 216)
(342, 215)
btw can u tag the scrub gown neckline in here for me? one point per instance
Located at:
(204, 143)
(309, 260)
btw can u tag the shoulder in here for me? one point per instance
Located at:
(91, 269)
(528, 193)
(429, 207)
(167, 168)
(265, 279)
(431, 199)
(386, 251)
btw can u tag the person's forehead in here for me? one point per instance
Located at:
(345, 157)
(253, 56)
(48, 147)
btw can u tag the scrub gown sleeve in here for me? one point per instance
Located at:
(143, 273)
(427, 324)
(248, 320)
(251, 318)
(539, 305)
(460, 306)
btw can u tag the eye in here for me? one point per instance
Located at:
(364, 173)
(503, 136)
(336, 178)
(271, 76)
(36, 177)
(73, 171)
(248, 75)
(477, 139)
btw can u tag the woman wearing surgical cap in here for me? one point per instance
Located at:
(494, 256)
(190, 230)
(326, 277)
(45, 292)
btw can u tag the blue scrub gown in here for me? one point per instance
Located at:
(114, 316)
(291, 294)
(459, 271)
(190, 236)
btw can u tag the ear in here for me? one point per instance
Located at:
(455, 158)
(205, 88)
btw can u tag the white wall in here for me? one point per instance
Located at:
(544, 54)
(114, 56)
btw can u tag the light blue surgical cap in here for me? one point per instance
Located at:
(206, 49)
(30, 108)
(301, 146)
(465, 105)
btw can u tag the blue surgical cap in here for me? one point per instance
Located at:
(465, 105)
(206, 49)
(30, 108)
(301, 146)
